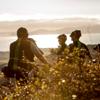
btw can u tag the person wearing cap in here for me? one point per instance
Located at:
(23, 48)
(75, 36)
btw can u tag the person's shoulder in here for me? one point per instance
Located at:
(83, 44)
(31, 39)
(13, 43)
(26, 40)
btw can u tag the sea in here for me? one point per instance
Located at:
(49, 40)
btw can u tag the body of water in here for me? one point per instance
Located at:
(49, 40)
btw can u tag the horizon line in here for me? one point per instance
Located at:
(11, 18)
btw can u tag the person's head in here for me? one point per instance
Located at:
(62, 39)
(22, 32)
(75, 35)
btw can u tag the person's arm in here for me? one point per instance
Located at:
(38, 53)
(11, 56)
(32, 40)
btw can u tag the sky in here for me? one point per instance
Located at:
(48, 9)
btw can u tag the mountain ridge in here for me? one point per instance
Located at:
(67, 25)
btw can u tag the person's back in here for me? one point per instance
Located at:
(22, 53)
(18, 49)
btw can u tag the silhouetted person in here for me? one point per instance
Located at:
(75, 36)
(22, 51)
(62, 44)
(60, 51)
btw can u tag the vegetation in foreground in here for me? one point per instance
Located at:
(71, 78)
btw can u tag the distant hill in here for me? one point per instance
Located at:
(52, 26)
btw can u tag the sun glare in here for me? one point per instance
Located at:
(49, 41)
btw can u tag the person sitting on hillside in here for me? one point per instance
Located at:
(22, 52)
(75, 36)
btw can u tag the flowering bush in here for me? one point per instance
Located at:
(71, 78)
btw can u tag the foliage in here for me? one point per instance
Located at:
(71, 78)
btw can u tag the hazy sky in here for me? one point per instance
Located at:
(37, 9)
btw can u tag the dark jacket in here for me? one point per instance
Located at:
(81, 46)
